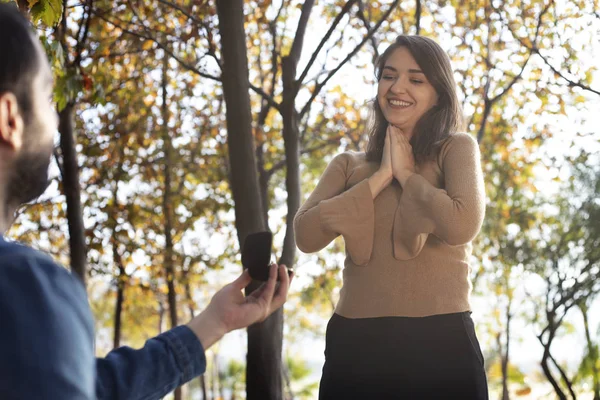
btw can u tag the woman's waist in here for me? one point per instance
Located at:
(403, 293)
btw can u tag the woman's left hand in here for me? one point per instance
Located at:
(403, 161)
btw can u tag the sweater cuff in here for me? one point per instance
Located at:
(187, 350)
(352, 215)
(419, 191)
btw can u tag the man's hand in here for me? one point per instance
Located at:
(229, 309)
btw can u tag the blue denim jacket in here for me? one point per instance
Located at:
(47, 340)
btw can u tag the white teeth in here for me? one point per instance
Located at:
(400, 103)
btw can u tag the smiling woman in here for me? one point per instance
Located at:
(416, 70)
(404, 93)
(408, 210)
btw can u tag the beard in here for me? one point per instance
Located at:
(29, 178)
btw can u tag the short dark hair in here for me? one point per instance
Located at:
(19, 58)
(437, 124)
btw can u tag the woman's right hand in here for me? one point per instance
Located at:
(384, 175)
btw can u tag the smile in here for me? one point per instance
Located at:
(399, 103)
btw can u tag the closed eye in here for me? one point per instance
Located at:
(388, 77)
(416, 81)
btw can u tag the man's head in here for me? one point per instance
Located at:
(28, 121)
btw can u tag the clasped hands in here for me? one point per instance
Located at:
(397, 161)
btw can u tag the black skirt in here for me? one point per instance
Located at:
(436, 357)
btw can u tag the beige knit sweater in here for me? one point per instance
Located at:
(407, 251)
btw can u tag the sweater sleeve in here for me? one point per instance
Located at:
(331, 210)
(455, 214)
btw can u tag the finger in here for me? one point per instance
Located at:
(386, 141)
(399, 134)
(393, 138)
(242, 281)
(267, 292)
(404, 139)
(256, 293)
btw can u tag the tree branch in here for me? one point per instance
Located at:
(418, 17)
(183, 63)
(265, 96)
(280, 164)
(184, 12)
(570, 82)
(363, 18)
(533, 48)
(162, 46)
(563, 375)
(320, 85)
(82, 38)
(296, 50)
(332, 28)
(512, 82)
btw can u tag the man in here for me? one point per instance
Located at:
(47, 337)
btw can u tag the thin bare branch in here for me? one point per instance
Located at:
(367, 37)
(563, 376)
(82, 37)
(533, 48)
(184, 12)
(512, 82)
(570, 82)
(281, 163)
(332, 28)
(363, 18)
(161, 45)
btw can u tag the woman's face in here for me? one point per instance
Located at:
(404, 93)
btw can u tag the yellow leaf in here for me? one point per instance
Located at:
(523, 392)
(147, 45)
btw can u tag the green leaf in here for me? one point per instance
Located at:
(48, 11)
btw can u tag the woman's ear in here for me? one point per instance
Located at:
(11, 122)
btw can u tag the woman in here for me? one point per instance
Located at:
(408, 210)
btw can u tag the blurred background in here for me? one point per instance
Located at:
(184, 127)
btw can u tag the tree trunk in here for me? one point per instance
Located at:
(72, 191)
(292, 157)
(263, 181)
(288, 382)
(592, 350)
(487, 109)
(117, 260)
(544, 363)
(203, 386)
(263, 363)
(418, 11)
(249, 213)
(559, 393)
(506, 355)
(291, 135)
(119, 307)
(216, 377)
(168, 207)
(190, 301)
(161, 315)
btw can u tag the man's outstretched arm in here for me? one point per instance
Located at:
(177, 356)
